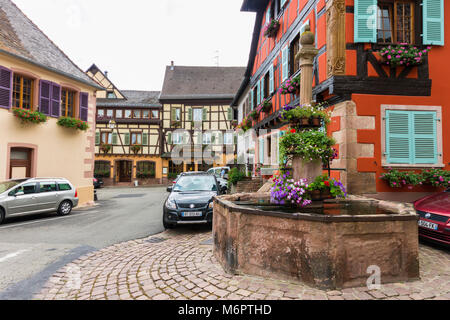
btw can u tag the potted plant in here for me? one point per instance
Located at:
(290, 86)
(136, 148)
(271, 28)
(266, 105)
(324, 188)
(287, 191)
(403, 55)
(297, 115)
(399, 179)
(176, 124)
(105, 148)
(436, 177)
(73, 123)
(254, 115)
(29, 116)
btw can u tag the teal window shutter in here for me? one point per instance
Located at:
(271, 80)
(205, 114)
(433, 22)
(283, 2)
(366, 20)
(127, 139)
(251, 100)
(262, 89)
(268, 16)
(190, 114)
(285, 63)
(258, 94)
(425, 137)
(114, 138)
(230, 114)
(169, 138)
(261, 150)
(398, 137)
(145, 139)
(97, 138)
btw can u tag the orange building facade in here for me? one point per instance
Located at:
(382, 115)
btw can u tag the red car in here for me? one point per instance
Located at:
(434, 223)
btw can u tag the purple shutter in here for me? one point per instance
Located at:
(84, 106)
(45, 97)
(56, 100)
(5, 88)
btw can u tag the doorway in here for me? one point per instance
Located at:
(20, 163)
(124, 170)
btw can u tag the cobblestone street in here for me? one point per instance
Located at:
(179, 265)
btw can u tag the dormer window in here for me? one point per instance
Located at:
(110, 95)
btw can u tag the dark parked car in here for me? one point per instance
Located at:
(222, 182)
(190, 200)
(98, 182)
(434, 223)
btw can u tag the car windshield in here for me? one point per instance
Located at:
(195, 183)
(6, 185)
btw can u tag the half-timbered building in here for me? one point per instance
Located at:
(128, 134)
(383, 115)
(197, 114)
(37, 77)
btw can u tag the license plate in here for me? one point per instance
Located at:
(428, 225)
(192, 214)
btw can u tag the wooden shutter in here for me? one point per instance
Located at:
(114, 138)
(6, 80)
(84, 106)
(285, 63)
(433, 22)
(271, 80)
(399, 148)
(97, 138)
(190, 111)
(126, 140)
(230, 114)
(44, 97)
(56, 100)
(425, 137)
(366, 21)
(169, 138)
(145, 139)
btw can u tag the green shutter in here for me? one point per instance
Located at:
(258, 94)
(97, 138)
(230, 113)
(174, 114)
(262, 89)
(251, 100)
(127, 139)
(283, 2)
(205, 114)
(366, 21)
(433, 22)
(425, 137)
(271, 80)
(398, 137)
(190, 114)
(114, 138)
(285, 63)
(268, 16)
(169, 138)
(145, 139)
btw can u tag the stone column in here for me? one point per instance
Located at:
(306, 59)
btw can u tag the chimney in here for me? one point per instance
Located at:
(172, 65)
(106, 74)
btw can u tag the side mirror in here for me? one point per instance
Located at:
(169, 189)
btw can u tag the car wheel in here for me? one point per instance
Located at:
(65, 208)
(2, 215)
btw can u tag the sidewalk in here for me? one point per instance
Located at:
(179, 264)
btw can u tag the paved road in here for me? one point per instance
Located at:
(33, 248)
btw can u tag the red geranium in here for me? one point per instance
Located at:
(327, 183)
(293, 131)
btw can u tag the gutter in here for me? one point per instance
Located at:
(67, 75)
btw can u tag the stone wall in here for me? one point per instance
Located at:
(327, 252)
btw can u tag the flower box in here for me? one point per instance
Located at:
(402, 55)
(271, 28)
(73, 123)
(105, 148)
(28, 116)
(290, 86)
(136, 148)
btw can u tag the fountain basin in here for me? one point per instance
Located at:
(324, 250)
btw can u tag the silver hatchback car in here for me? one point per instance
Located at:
(36, 195)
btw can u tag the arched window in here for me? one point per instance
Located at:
(146, 170)
(102, 169)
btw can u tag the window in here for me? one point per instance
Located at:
(155, 114)
(293, 50)
(23, 92)
(127, 114)
(177, 138)
(228, 138)
(137, 114)
(106, 138)
(48, 187)
(395, 22)
(176, 114)
(207, 138)
(255, 97)
(111, 95)
(68, 103)
(145, 169)
(412, 137)
(119, 113)
(110, 113)
(175, 169)
(145, 114)
(100, 113)
(198, 114)
(266, 92)
(102, 169)
(269, 146)
(136, 138)
(64, 187)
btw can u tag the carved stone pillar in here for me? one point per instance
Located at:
(335, 37)
(306, 57)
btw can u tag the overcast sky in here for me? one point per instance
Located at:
(135, 39)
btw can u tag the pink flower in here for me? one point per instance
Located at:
(389, 57)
